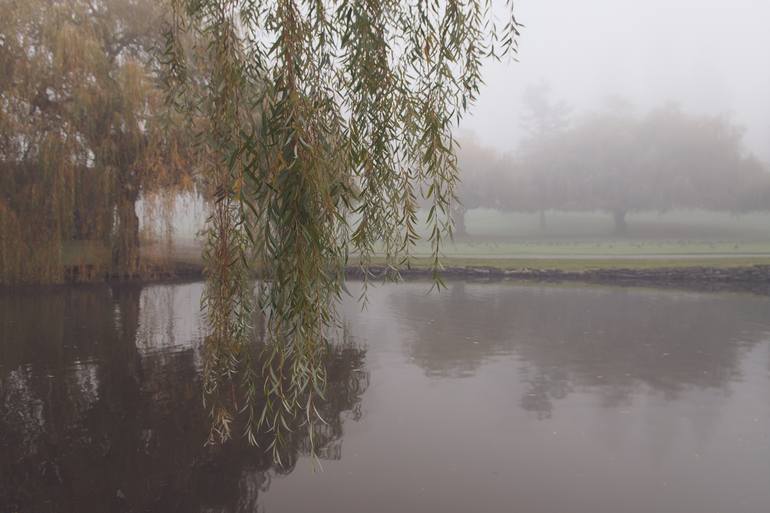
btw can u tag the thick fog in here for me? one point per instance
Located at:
(621, 106)
(712, 57)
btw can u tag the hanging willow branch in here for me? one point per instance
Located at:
(328, 118)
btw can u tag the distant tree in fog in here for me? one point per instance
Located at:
(617, 162)
(491, 180)
(481, 169)
(543, 118)
(542, 114)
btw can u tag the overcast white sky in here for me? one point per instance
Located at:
(709, 56)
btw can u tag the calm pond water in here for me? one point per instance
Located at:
(488, 397)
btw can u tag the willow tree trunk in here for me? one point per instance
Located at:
(619, 216)
(125, 248)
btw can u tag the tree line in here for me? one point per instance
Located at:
(616, 161)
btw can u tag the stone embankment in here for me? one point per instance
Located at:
(756, 277)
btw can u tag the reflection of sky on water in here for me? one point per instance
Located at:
(170, 320)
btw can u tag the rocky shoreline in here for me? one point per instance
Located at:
(754, 278)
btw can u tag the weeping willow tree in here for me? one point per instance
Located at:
(330, 120)
(83, 135)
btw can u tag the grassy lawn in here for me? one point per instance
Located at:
(674, 227)
(470, 248)
(570, 242)
(582, 241)
(497, 235)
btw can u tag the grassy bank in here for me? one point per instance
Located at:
(570, 243)
(566, 257)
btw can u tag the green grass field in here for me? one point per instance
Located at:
(579, 241)
(469, 248)
(673, 227)
(570, 242)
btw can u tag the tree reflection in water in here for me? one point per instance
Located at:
(101, 410)
(614, 341)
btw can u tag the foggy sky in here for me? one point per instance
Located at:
(709, 56)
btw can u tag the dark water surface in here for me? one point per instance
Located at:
(486, 398)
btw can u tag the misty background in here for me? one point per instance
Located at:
(618, 121)
(711, 57)
(539, 160)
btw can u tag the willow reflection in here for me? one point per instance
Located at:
(100, 407)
